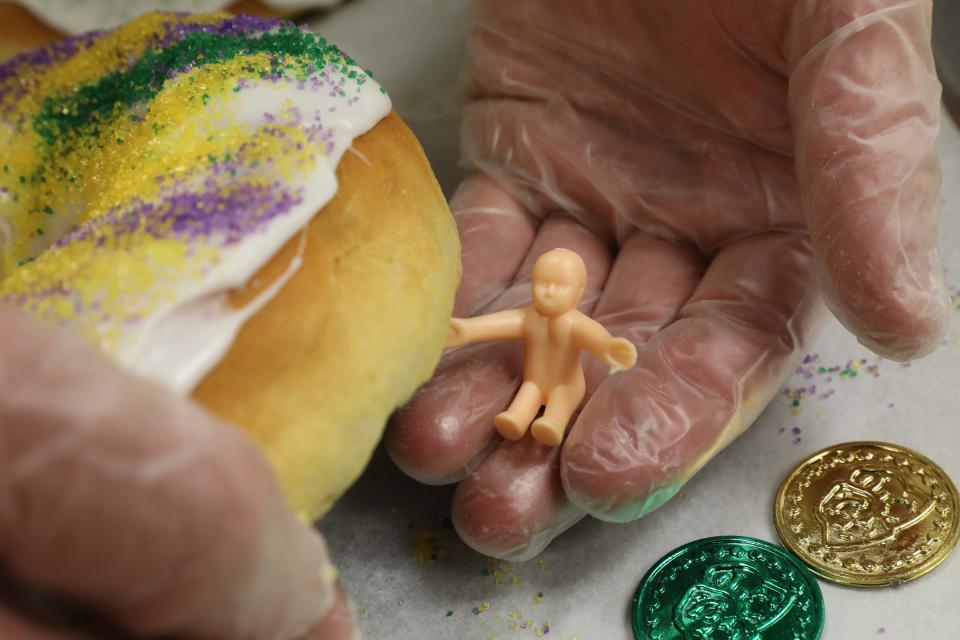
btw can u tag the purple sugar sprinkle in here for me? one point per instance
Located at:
(45, 56)
(173, 31)
(234, 25)
(224, 217)
(28, 65)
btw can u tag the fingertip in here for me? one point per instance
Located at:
(600, 494)
(601, 480)
(150, 472)
(513, 505)
(865, 109)
(911, 340)
(486, 528)
(434, 446)
(447, 428)
(897, 308)
(338, 622)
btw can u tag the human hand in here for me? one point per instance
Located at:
(621, 354)
(717, 165)
(142, 506)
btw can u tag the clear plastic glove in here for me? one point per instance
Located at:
(140, 505)
(721, 167)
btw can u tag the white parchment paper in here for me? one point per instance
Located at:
(411, 579)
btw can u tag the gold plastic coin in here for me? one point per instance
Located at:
(868, 514)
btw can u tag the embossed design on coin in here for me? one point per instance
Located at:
(873, 506)
(728, 588)
(868, 514)
(733, 599)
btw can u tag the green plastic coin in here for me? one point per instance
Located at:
(728, 588)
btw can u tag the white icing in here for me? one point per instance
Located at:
(181, 342)
(185, 343)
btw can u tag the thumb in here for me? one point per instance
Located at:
(119, 495)
(864, 101)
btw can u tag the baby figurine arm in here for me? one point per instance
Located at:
(502, 325)
(589, 334)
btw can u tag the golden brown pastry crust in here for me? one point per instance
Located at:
(314, 375)
(21, 31)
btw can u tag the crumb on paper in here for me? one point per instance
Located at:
(433, 540)
(821, 378)
(428, 547)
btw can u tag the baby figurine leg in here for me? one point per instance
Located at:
(513, 422)
(549, 428)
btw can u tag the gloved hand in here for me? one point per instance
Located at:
(719, 166)
(144, 507)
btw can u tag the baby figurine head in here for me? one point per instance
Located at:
(559, 278)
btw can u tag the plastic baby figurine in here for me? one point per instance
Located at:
(553, 333)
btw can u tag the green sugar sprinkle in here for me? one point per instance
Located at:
(294, 53)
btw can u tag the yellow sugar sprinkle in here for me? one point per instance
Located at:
(172, 138)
